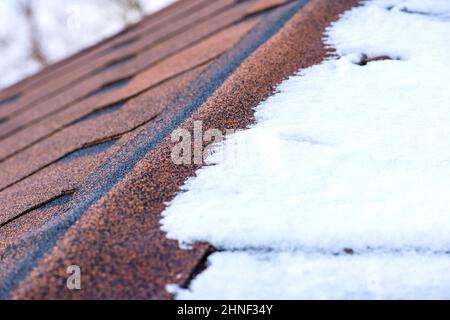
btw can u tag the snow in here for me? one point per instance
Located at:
(291, 275)
(436, 7)
(358, 156)
(342, 156)
(65, 26)
(14, 47)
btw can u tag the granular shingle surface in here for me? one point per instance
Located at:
(85, 144)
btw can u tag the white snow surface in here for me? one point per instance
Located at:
(290, 275)
(342, 156)
(65, 27)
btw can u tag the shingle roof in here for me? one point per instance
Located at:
(85, 147)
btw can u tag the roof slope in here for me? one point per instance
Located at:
(84, 147)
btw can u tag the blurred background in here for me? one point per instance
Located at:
(35, 33)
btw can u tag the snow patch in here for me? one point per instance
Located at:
(358, 157)
(241, 275)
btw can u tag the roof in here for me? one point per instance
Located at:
(85, 144)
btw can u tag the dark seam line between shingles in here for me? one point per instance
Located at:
(201, 266)
(102, 111)
(9, 100)
(71, 104)
(120, 45)
(69, 192)
(115, 63)
(342, 251)
(125, 100)
(221, 70)
(110, 86)
(90, 144)
(146, 48)
(89, 149)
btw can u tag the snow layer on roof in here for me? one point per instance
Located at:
(342, 156)
(435, 7)
(358, 156)
(291, 275)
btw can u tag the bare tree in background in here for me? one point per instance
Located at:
(130, 7)
(35, 40)
(3, 42)
(48, 30)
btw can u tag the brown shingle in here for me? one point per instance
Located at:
(72, 62)
(60, 82)
(67, 175)
(229, 57)
(56, 146)
(142, 61)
